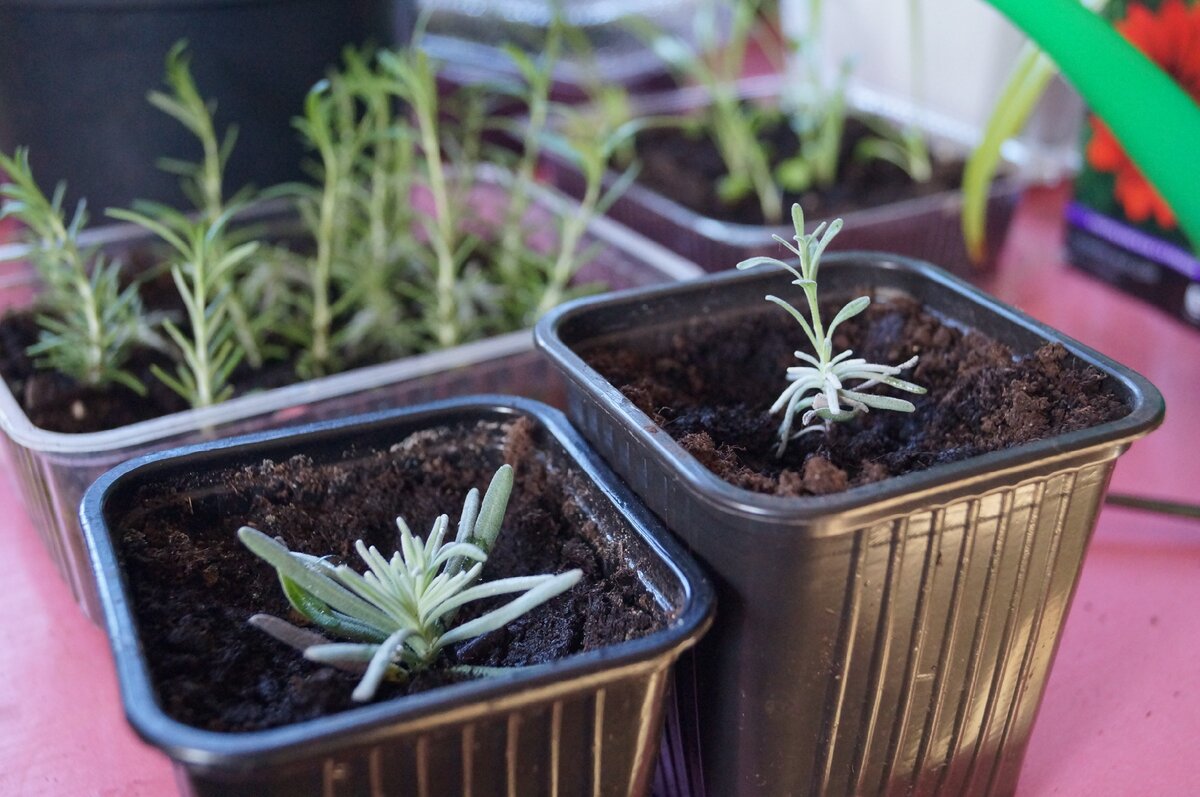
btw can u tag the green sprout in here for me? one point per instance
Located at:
(89, 324)
(817, 114)
(400, 613)
(732, 124)
(203, 268)
(203, 183)
(821, 387)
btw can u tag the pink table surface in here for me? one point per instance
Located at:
(1121, 714)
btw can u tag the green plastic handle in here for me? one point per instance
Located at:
(1155, 120)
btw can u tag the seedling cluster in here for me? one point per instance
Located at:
(396, 260)
(724, 32)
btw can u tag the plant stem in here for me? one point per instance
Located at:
(539, 105)
(201, 331)
(572, 233)
(425, 105)
(323, 267)
(64, 242)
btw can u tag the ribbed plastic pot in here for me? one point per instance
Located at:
(53, 469)
(74, 75)
(892, 639)
(926, 227)
(586, 724)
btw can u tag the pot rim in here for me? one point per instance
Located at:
(260, 749)
(932, 487)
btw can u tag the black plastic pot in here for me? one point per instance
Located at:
(894, 638)
(74, 75)
(588, 723)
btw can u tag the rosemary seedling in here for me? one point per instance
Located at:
(417, 83)
(817, 114)
(203, 266)
(89, 324)
(329, 128)
(400, 613)
(590, 145)
(538, 79)
(203, 183)
(821, 388)
(733, 125)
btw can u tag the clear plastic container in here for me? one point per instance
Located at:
(52, 469)
(926, 227)
(585, 724)
(894, 638)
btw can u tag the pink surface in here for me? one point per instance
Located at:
(1121, 714)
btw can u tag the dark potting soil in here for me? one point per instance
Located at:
(686, 167)
(194, 585)
(711, 386)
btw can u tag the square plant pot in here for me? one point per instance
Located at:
(926, 227)
(895, 637)
(588, 722)
(53, 469)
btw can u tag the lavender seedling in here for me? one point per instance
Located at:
(821, 387)
(400, 613)
(590, 147)
(89, 324)
(538, 78)
(329, 130)
(817, 113)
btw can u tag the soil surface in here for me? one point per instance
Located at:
(193, 585)
(686, 169)
(57, 403)
(710, 386)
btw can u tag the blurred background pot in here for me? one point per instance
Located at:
(74, 75)
(926, 226)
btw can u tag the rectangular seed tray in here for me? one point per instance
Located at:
(53, 469)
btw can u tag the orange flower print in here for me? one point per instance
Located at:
(1170, 37)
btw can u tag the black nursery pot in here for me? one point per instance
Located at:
(74, 75)
(588, 723)
(893, 638)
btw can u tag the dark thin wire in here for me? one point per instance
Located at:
(1153, 505)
